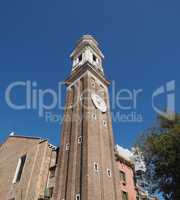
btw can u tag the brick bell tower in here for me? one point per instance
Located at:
(86, 164)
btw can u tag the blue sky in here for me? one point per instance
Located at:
(140, 40)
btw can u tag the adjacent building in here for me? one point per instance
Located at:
(132, 169)
(127, 184)
(27, 168)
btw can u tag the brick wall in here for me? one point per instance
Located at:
(35, 173)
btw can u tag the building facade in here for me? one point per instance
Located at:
(127, 184)
(26, 168)
(132, 169)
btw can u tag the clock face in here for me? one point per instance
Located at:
(99, 102)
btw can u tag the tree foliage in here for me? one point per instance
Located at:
(161, 149)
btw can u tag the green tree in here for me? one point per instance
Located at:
(160, 146)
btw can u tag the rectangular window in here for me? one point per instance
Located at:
(48, 192)
(77, 196)
(123, 177)
(51, 191)
(79, 139)
(67, 147)
(96, 167)
(94, 58)
(52, 172)
(109, 172)
(80, 58)
(124, 195)
(19, 169)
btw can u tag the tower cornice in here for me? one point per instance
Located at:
(83, 45)
(87, 66)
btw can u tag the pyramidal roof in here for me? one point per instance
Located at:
(87, 40)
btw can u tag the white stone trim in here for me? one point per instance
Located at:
(93, 76)
(17, 170)
(78, 197)
(109, 172)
